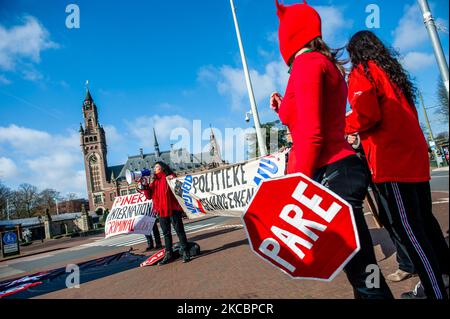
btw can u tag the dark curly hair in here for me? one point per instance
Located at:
(365, 46)
(165, 168)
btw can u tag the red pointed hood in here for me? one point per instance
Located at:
(299, 24)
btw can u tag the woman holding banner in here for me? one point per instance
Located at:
(314, 109)
(382, 98)
(169, 212)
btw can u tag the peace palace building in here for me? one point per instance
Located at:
(105, 182)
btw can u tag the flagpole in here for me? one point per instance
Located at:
(251, 95)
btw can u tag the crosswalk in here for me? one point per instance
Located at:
(136, 239)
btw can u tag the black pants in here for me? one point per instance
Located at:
(408, 209)
(348, 179)
(403, 259)
(156, 234)
(177, 222)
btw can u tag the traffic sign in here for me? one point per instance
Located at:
(301, 227)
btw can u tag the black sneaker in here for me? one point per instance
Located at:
(151, 247)
(417, 293)
(159, 246)
(186, 257)
(167, 259)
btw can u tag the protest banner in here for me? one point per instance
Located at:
(305, 230)
(130, 214)
(226, 190)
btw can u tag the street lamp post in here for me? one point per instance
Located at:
(435, 41)
(251, 95)
(429, 130)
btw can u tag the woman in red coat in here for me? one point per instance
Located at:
(169, 211)
(383, 113)
(314, 108)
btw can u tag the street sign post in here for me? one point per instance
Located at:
(10, 243)
(301, 227)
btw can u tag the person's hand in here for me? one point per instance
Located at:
(353, 139)
(275, 101)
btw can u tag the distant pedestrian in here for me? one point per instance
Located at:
(382, 98)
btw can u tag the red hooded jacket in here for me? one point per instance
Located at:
(164, 202)
(313, 108)
(389, 128)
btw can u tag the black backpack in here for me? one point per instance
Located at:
(193, 248)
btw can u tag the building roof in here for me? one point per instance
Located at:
(179, 160)
(113, 170)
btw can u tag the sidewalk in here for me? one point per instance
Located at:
(49, 245)
(442, 169)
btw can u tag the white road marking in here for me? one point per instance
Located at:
(135, 239)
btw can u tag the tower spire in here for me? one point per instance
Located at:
(214, 149)
(157, 151)
(88, 94)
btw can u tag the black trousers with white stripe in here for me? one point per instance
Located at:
(408, 209)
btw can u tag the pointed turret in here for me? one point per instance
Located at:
(157, 151)
(88, 95)
(214, 150)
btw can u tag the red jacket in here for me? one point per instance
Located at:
(389, 128)
(164, 202)
(313, 108)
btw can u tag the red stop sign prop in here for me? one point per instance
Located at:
(301, 227)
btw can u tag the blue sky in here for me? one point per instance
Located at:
(162, 64)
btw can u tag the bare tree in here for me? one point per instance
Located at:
(17, 204)
(442, 102)
(29, 196)
(5, 192)
(70, 196)
(47, 199)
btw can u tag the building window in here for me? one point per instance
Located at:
(98, 199)
(132, 191)
(123, 192)
(111, 196)
(95, 173)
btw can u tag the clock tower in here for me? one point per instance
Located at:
(93, 146)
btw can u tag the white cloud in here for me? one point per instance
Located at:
(21, 47)
(231, 82)
(142, 128)
(333, 24)
(113, 137)
(411, 32)
(7, 168)
(43, 159)
(415, 61)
